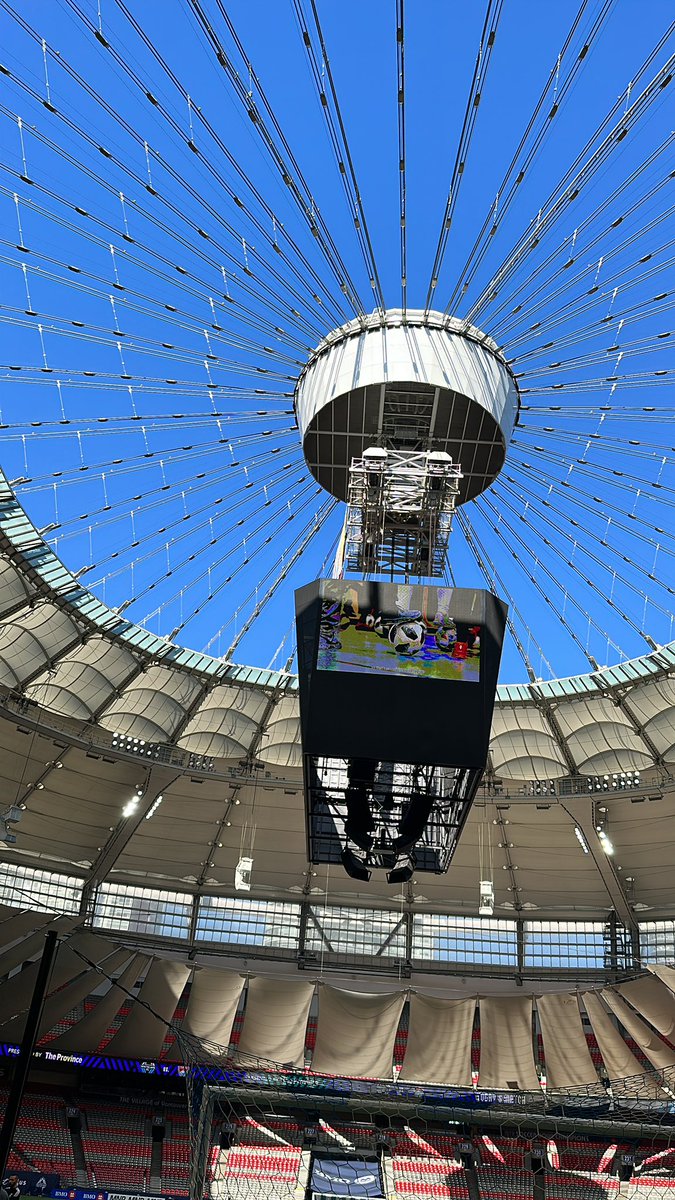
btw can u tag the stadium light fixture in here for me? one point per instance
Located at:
(581, 839)
(132, 804)
(153, 807)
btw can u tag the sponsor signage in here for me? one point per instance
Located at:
(77, 1194)
(83, 1194)
(35, 1183)
(99, 1062)
(142, 1196)
(346, 1177)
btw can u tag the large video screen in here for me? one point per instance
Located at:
(413, 630)
(365, 650)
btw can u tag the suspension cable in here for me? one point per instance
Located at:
(485, 45)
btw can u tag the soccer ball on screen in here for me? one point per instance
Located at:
(407, 637)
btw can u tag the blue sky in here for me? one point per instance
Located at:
(158, 331)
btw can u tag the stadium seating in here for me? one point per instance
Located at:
(42, 1136)
(581, 1156)
(268, 1161)
(504, 1183)
(116, 1146)
(263, 1171)
(176, 1155)
(265, 1161)
(428, 1175)
(566, 1185)
(505, 1152)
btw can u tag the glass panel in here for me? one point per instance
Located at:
(439, 938)
(356, 931)
(143, 910)
(248, 922)
(657, 941)
(45, 891)
(565, 944)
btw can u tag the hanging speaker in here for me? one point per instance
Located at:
(359, 824)
(354, 866)
(361, 772)
(414, 820)
(402, 872)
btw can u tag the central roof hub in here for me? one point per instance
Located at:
(406, 382)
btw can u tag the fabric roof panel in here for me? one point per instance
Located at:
(275, 1020)
(653, 1000)
(154, 704)
(438, 1049)
(355, 1032)
(212, 1006)
(32, 641)
(506, 1054)
(84, 679)
(86, 1035)
(653, 1048)
(226, 722)
(567, 1057)
(143, 1031)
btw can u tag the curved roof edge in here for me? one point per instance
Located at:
(40, 561)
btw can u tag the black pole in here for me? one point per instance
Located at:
(23, 1063)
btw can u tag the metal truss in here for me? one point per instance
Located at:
(399, 514)
(450, 789)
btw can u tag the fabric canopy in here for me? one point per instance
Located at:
(619, 1061)
(143, 1031)
(275, 1020)
(506, 1056)
(568, 1059)
(31, 946)
(355, 1032)
(87, 1034)
(656, 1051)
(438, 1049)
(16, 993)
(653, 1000)
(213, 1003)
(64, 999)
(665, 974)
(14, 925)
